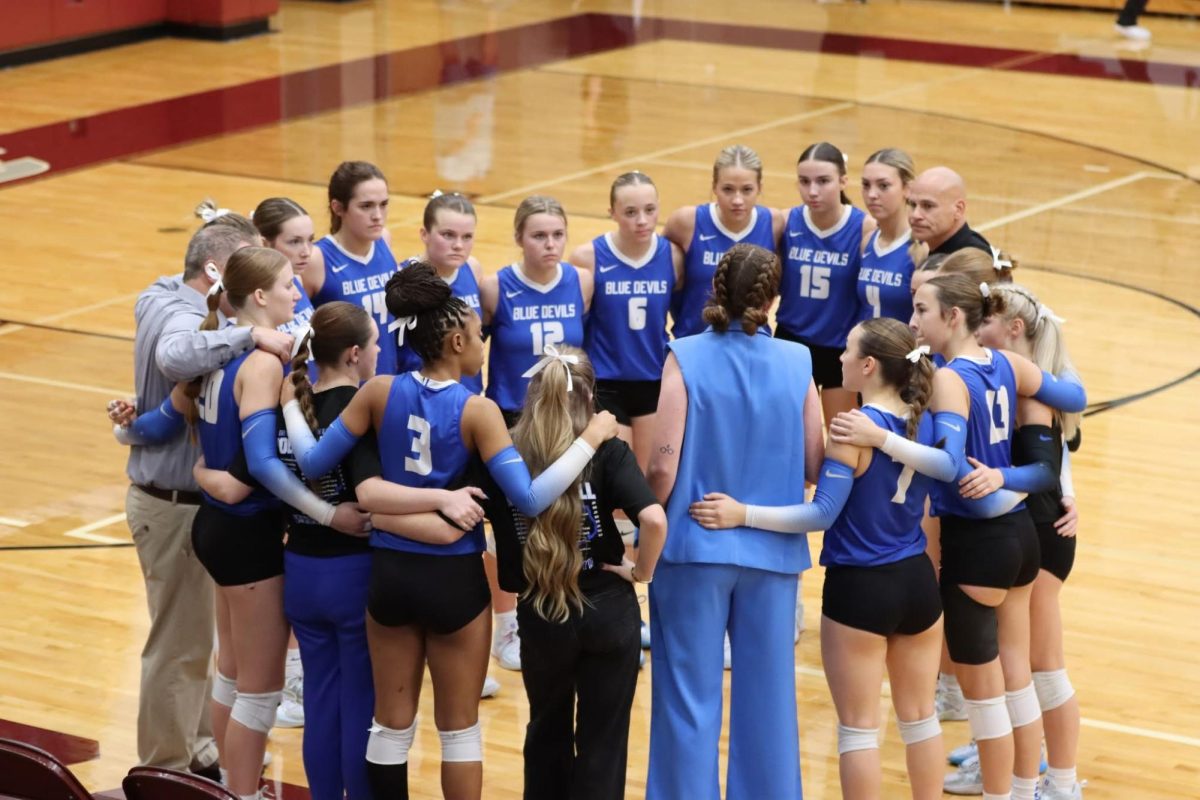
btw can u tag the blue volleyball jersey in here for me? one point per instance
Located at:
(818, 299)
(993, 390)
(626, 332)
(301, 316)
(220, 433)
(420, 445)
(362, 281)
(884, 280)
(744, 436)
(881, 521)
(462, 285)
(710, 240)
(528, 317)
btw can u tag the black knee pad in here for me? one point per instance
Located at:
(971, 627)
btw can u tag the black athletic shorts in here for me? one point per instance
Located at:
(826, 361)
(237, 550)
(627, 399)
(901, 597)
(999, 553)
(1058, 552)
(438, 593)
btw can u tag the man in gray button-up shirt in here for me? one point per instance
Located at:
(173, 719)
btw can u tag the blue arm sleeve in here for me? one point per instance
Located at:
(1030, 478)
(155, 427)
(1065, 394)
(532, 497)
(995, 504)
(316, 458)
(259, 438)
(940, 463)
(833, 490)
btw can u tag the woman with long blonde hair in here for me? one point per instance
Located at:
(579, 618)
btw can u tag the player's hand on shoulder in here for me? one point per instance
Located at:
(602, 427)
(273, 341)
(856, 428)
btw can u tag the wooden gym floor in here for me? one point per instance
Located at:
(1082, 158)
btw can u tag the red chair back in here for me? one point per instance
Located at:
(157, 783)
(30, 773)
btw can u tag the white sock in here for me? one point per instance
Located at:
(292, 667)
(1005, 796)
(1024, 788)
(949, 683)
(1062, 778)
(503, 623)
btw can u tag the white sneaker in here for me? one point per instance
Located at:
(491, 687)
(967, 779)
(728, 654)
(800, 627)
(950, 705)
(645, 636)
(960, 754)
(1135, 32)
(290, 713)
(1051, 791)
(506, 647)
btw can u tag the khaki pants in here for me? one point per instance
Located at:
(174, 729)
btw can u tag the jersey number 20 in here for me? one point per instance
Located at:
(210, 396)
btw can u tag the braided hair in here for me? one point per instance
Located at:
(417, 291)
(889, 342)
(745, 283)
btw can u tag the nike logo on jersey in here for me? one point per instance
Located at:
(511, 295)
(609, 268)
(336, 269)
(950, 425)
(831, 474)
(704, 238)
(1044, 437)
(253, 425)
(512, 461)
(794, 234)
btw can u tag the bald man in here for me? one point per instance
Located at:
(937, 212)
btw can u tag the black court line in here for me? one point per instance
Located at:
(115, 545)
(57, 329)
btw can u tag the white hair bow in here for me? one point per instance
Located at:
(402, 324)
(217, 287)
(998, 262)
(304, 332)
(209, 214)
(1044, 313)
(551, 355)
(984, 290)
(916, 354)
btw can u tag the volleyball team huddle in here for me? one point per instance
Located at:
(351, 453)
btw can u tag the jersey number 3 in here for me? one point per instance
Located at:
(423, 463)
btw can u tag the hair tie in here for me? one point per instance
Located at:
(984, 290)
(402, 324)
(302, 333)
(915, 355)
(999, 263)
(1044, 313)
(551, 356)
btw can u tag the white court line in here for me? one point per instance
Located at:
(1067, 199)
(83, 387)
(16, 326)
(612, 165)
(13, 523)
(1099, 724)
(85, 531)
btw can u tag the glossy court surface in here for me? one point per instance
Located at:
(1081, 158)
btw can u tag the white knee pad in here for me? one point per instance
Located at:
(1023, 708)
(256, 711)
(919, 730)
(224, 690)
(851, 739)
(1053, 688)
(389, 745)
(988, 718)
(464, 745)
